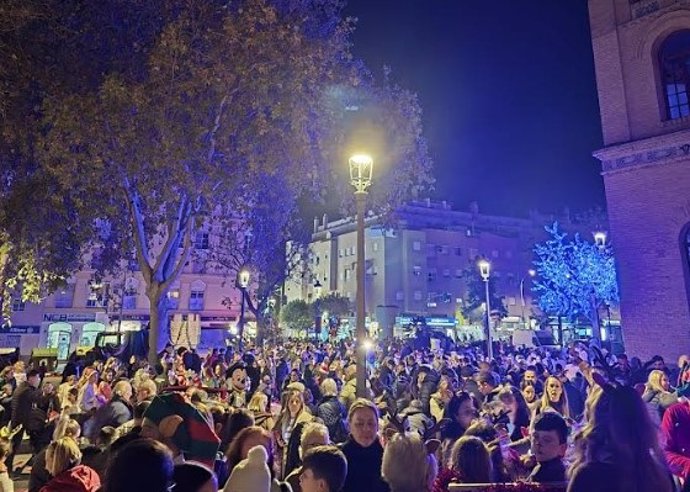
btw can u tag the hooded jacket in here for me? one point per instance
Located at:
(79, 478)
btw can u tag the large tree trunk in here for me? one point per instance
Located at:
(167, 267)
(159, 332)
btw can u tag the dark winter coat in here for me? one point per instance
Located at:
(552, 471)
(418, 420)
(428, 387)
(333, 414)
(363, 467)
(22, 402)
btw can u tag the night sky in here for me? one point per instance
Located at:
(508, 92)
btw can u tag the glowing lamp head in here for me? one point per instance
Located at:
(600, 238)
(361, 167)
(317, 288)
(243, 278)
(531, 272)
(367, 345)
(484, 269)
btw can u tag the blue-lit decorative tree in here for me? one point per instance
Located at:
(575, 278)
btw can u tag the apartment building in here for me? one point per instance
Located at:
(415, 268)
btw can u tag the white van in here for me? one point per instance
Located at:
(534, 338)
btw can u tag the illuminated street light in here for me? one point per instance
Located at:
(243, 279)
(531, 273)
(361, 168)
(485, 272)
(600, 238)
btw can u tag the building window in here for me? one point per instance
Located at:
(446, 272)
(494, 253)
(129, 301)
(458, 251)
(340, 253)
(375, 246)
(18, 305)
(97, 297)
(416, 271)
(400, 296)
(174, 298)
(196, 300)
(201, 240)
(416, 246)
(674, 63)
(431, 276)
(347, 274)
(417, 295)
(458, 273)
(65, 296)
(473, 254)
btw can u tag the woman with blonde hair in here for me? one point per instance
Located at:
(258, 406)
(407, 465)
(657, 392)
(554, 398)
(618, 450)
(294, 414)
(89, 399)
(63, 462)
(65, 427)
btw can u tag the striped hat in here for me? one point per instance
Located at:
(180, 421)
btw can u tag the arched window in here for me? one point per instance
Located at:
(674, 62)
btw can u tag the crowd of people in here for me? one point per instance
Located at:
(289, 418)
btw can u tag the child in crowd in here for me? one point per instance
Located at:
(549, 444)
(324, 469)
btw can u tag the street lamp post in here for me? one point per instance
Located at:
(600, 242)
(317, 313)
(361, 166)
(484, 271)
(530, 273)
(243, 277)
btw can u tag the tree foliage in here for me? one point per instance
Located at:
(475, 296)
(297, 315)
(334, 304)
(192, 113)
(574, 277)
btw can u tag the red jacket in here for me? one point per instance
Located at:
(675, 438)
(79, 478)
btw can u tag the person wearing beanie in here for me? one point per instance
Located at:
(251, 474)
(178, 424)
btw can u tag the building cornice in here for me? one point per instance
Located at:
(653, 151)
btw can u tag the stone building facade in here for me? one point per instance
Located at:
(642, 60)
